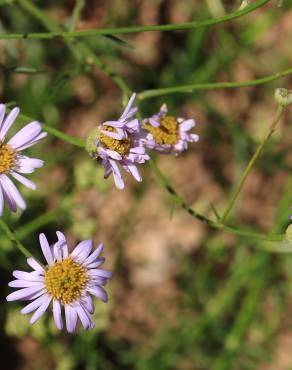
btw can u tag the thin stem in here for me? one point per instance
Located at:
(214, 224)
(60, 135)
(251, 163)
(14, 239)
(135, 29)
(212, 85)
(54, 132)
(76, 14)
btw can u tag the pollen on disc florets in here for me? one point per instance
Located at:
(7, 158)
(120, 146)
(166, 133)
(65, 280)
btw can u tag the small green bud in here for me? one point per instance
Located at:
(288, 234)
(283, 97)
(90, 144)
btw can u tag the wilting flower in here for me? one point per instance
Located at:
(68, 281)
(13, 162)
(117, 143)
(168, 134)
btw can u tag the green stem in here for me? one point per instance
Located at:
(125, 30)
(252, 162)
(14, 239)
(60, 135)
(214, 224)
(76, 14)
(212, 85)
(53, 131)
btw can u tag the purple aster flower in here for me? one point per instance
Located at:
(13, 162)
(68, 281)
(168, 134)
(118, 143)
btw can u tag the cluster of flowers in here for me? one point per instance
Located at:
(69, 280)
(124, 142)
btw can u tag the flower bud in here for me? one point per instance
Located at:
(283, 97)
(90, 144)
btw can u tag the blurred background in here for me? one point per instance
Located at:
(183, 296)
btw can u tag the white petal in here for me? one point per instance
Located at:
(12, 193)
(186, 125)
(41, 310)
(41, 136)
(94, 254)
(34, 305)
(24, 161)
(29, 184)
(35, 265)
(101, 273)
(8, 122)
(113, 154)
(84, 317)
(134, 171)
(99, 292)
(118, 135)
(71, 318)
(61, 238)
(7, 195)
(1, 201)
(46, 249)
(29, 276)
(2, 113)
(57, 314)
(117, 175)
(88, 302)
(25, 284)
(27, 134)
(129, 108)
(23, 294)
(82, 250)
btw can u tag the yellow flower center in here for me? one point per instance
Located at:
(66, 280)
(166, 133)
(120, 146)
(7, 158)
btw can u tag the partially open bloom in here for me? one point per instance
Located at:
(168, 134)
(117, 143)
(13, 162)
(68, 281)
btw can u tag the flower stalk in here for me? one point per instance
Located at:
(11, 236)
(252, 161)
(59, 33)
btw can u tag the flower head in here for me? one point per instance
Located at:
(168, 134)
(68, 281)
(13, 162)
(117, 143)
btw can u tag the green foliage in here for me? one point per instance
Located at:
(231, 293)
